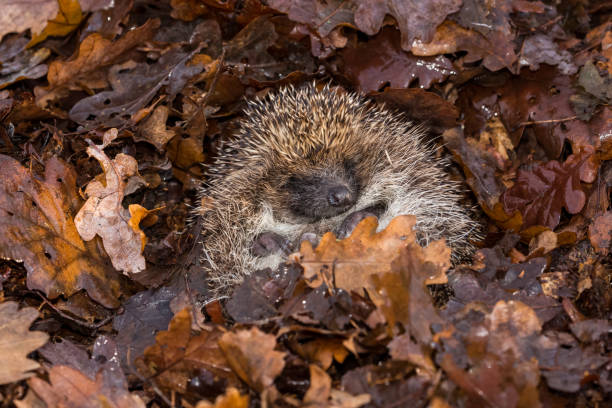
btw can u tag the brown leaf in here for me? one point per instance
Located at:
(103, 213)
(134, 85)
(178, 355)
(17, 342)
(541, 193)
(68, 18)
(154, 129)
(402, 295)
(69, 387)
(380, 60)
(20, 15)
(251, 355)
(94, 52)
(600, 231)
(417, 20)
(364, 253)
(37, 228)
(320, 386)
(19, 63)
(231, 399)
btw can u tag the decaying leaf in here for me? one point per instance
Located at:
(178, 355)
(36, 227)
(67, 19)
(251, 355)
(103, 213)
(16, 342)
(600, 233)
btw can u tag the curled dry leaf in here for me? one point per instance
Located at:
(36, 227)
(16, 342)
(104, 215)
(70, 388)
(178, 355)
(251, 355)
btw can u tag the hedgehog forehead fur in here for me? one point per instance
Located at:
(296, 145)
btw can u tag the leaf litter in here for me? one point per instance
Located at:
(105, 266)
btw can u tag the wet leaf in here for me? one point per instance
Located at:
(178, 355)
(17, 342)
(38, 229)
(381, 61)
(541, 193)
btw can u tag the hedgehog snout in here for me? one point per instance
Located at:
(340, 196)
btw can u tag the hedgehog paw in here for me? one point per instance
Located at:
(351, 221)
(268, 243)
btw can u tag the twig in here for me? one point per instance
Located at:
(543, 122)
(91, 326)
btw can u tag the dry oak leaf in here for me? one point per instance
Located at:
(364, 253)
(541, 193)
(36, 227)
(251, 355)
(21, 15)
(231, 399)
(104, 215)
(70, 388)
(320, 386)
(16, 342)
(178, 355)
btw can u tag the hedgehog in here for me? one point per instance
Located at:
(305, 161)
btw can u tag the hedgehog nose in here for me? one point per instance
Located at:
(339, 196)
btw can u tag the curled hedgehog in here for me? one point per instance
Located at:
(307, 161)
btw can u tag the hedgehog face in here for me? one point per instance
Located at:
(310, 193)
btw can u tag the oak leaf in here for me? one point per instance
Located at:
(251, 355)
(16, 342)
(178, 355)
(103, 213)
(36, 227)
(541, 193)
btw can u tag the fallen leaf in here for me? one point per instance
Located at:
(21, 15)
(16, 342)
(103, 213)
(94, 53)
(231, 399)
(154, 129)
(320, 386)
(251, 355)
(541, 193)
(178, 355)
(134, 85)
(68, 387)
(600, 231)
(362, 254)
(37, 228)
(380, 61)
(68, 18)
